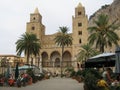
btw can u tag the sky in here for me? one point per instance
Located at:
(14, 14)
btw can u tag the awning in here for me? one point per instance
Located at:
(101, 60)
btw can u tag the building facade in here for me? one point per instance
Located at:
(7, 61)
(50, 53)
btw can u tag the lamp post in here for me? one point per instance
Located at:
(53, 66)
(0, 66)
(10, 66)
(61, 65)
(74, 63)
(8, 70)
(40, 64)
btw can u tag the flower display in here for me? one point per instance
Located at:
(102, 83)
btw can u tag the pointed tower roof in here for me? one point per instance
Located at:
(36, 10)
(79, 5)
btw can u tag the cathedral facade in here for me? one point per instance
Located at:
(50, 53)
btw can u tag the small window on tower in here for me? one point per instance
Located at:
(80, 33)
(34, 18)
(79, 13)
(80, 41)
(79, 24)
(33, 28)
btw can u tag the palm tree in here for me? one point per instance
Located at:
(103, 33)
(29, 44)
(63, 39)
(86, 52)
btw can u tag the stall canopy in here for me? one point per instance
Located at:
(101, 60)
(26, 67)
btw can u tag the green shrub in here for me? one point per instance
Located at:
(69, 69)
(73, 73)
(91, 77)
(90, 81)
(31, 73)
(79, 73)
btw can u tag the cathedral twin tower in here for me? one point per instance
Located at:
(50, 53)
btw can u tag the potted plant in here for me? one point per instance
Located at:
(79, 76)
(90, 79)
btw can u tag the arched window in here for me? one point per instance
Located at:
(80, 41)
(33, 28)
(79, 13)
(79, 24)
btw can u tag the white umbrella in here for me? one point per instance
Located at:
(101, 60)
(25, 67)
(103, 55)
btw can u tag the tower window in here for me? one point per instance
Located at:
(34, 18)
(33, 28)
(80, 41)
(79, 24)
(80, 33)
(79, 13)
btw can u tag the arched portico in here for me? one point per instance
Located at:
(45, 61)
(55, 57)
(67, 58)
(57, 62)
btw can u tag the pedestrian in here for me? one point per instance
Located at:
(107, 75)
(102, 84)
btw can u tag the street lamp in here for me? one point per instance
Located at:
(8, 70)
(61, 63)
(0, 66)
(40, 64)
(53, 65)
(10, 66)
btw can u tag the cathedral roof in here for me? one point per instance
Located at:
(36, 10)
(79, 5)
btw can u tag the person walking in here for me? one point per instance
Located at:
(107, 75)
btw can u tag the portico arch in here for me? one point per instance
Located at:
(67, 58)
(44, 56)
(55, 58)
(57, 62)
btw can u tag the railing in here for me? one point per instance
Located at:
(54, 64)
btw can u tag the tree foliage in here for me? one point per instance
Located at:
(103, 33)
(86, 52)
(29, 44)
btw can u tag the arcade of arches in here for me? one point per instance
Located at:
(54, 59)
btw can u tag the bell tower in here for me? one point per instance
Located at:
(79, 24)
(35, 25)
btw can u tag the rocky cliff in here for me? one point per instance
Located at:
(112, 10)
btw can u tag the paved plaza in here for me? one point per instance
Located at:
(51, 84)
